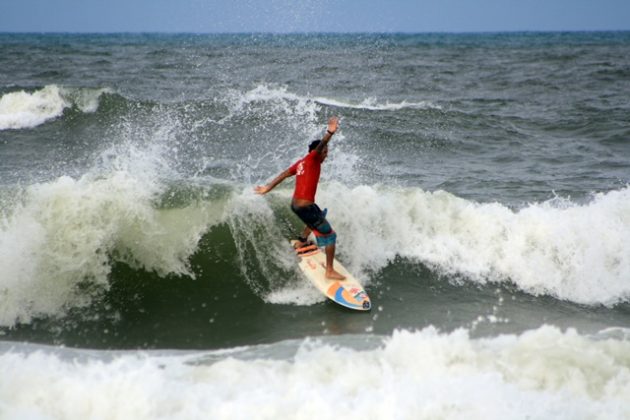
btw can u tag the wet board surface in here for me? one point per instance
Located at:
(348, 292)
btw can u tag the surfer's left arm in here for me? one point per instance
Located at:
(264, 189)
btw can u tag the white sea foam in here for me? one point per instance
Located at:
(577, 252)
(540, 374)
(26, 110)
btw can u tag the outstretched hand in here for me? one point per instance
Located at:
(264, 189)
(261, 189)
(333, 124)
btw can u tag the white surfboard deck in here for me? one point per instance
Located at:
(348, 292)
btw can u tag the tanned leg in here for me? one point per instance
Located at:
(330, 271)
(307, 231)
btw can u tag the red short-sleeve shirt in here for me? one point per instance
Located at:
(306, 171)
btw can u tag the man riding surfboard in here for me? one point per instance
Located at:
(307, 171)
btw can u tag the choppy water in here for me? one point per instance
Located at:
(478, 184)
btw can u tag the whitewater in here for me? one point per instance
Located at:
(422, 375)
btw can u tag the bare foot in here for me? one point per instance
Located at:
(299, 244)
(333, 275)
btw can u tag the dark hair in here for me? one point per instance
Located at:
(313, 145)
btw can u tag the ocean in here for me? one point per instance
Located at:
(479, 185)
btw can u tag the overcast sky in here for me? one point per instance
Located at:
(312, 15)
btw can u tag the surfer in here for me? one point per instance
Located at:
(307, 171)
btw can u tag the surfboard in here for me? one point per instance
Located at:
(348, 292)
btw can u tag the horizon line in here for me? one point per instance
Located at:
(480, 32)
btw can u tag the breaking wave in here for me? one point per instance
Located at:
(23, 109)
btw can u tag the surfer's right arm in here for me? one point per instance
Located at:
(264, 189)
(333, 124)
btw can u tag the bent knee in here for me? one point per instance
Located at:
(326, 240)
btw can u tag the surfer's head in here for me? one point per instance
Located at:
(314, 145)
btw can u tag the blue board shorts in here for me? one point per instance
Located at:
(315, 219)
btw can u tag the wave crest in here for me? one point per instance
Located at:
(22, 109)
(67, 233)
(372, 104)
(576, 252)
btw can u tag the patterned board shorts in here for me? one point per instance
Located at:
(315, 219)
